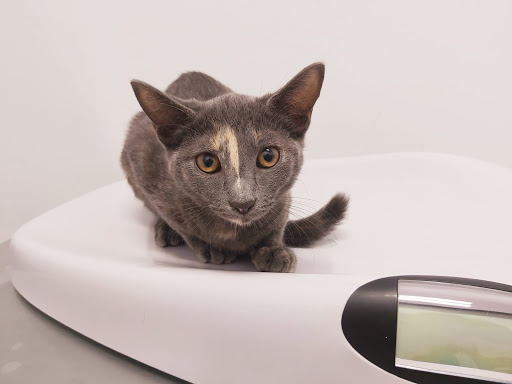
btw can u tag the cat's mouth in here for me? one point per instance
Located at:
(241, 219)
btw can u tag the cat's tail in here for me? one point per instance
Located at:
(303, 232)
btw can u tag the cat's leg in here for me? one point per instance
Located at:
(208, 254)
(165, 235)
(222, 257)
(274, 258)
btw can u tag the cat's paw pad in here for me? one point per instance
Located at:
(165, 235)
(274, 259)
(215, 256)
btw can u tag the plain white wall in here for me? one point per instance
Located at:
(401, 75)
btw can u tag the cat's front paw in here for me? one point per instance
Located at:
(165, 235)
(215, 256)
(274, 259)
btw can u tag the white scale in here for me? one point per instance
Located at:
(415, 285)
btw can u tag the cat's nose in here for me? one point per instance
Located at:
(243, 206)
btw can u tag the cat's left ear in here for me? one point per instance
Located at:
(295, 101)
(169, 116)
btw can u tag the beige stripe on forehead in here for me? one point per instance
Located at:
(225, 140)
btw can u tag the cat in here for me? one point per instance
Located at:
(216, 168)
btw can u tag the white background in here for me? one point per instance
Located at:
(401, 76)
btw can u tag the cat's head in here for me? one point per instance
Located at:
(235, 154)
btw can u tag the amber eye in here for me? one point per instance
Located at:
(268, 157)
(208, 163)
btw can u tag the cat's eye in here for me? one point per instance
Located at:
(268, 157)
(208, 162)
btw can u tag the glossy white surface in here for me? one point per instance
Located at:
(37, 349)
(92, 265)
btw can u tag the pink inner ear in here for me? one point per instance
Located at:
(307, 92)
(160, 109)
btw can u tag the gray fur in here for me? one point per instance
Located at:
(195, 207)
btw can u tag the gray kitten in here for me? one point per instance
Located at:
(217, 167)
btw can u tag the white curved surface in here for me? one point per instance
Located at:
(92, 264)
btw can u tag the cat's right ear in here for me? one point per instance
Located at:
(168, 116)
(297, 98)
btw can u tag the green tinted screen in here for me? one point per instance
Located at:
(455, 337)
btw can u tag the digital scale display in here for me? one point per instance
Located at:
(454, 329)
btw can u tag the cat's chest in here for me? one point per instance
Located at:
(226, 234)
(234, 237)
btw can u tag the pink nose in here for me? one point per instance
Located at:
(243, 206)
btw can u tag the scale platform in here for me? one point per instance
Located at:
(422, 261)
